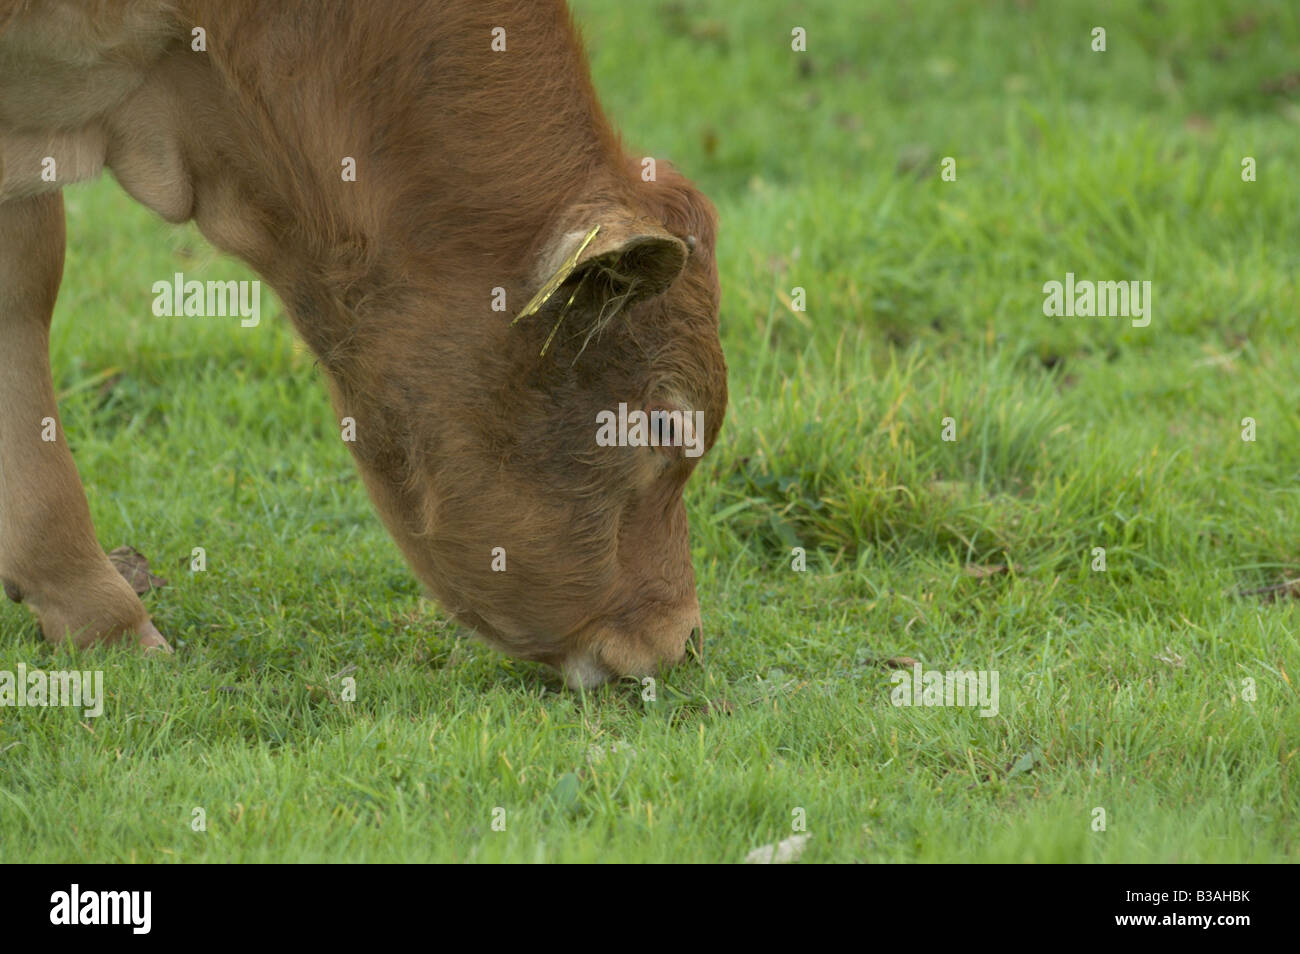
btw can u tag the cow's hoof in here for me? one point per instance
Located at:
(151, 641)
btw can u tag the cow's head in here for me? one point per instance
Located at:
(529, 526)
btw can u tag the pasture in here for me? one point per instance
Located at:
(1160, 689)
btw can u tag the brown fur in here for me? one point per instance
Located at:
(476, 170)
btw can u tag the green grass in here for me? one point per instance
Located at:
(1120, 690)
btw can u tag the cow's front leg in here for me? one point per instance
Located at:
(49, 557)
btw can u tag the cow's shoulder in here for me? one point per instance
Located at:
(79, 90)
(62, 64)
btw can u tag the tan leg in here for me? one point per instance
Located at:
(49, 557)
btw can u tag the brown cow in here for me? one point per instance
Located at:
(483, 168)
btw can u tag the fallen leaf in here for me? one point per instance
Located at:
(1024, 764)
(597, 753)
(980, 571)
(782, 853)
(1171, 658)
(1272, 593)
(134, 567)
(893, 662)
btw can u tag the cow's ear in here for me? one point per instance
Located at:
(638, 252)
(603, 270)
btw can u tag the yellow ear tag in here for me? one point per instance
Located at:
(559, 321)
(555, 281)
